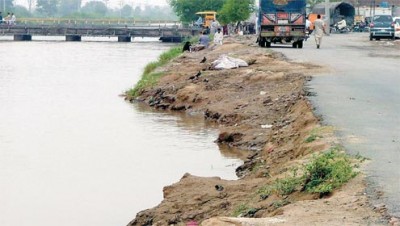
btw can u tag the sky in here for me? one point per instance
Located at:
(112, 3)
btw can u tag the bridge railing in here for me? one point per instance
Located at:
(97, 22)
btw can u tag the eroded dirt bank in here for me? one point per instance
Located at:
(262, 108)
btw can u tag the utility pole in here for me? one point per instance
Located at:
(374, 9)
(328, 16)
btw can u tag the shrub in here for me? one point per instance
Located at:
(287, 186)
(328, 171)
(324, 173)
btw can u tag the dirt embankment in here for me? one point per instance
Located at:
(262, 108)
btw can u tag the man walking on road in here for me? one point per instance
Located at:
(319, 30)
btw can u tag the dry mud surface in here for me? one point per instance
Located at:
(262, 109)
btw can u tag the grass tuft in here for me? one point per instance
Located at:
(328, 171)
(240, 210)
(149, 76)
(322, 175)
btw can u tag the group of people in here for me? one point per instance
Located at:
(10, 19)
(204, 40)
(319, 30)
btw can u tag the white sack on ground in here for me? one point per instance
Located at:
(225, 62)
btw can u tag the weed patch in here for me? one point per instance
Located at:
(322, 175)
(311, 138)
(317, 133)
(149, 77)
(361, 158)
(240, 210)
(280, 203)
(146, 81)
(328, 171)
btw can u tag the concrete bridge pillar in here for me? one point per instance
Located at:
(73, 38)
(22, 37)
(124, 38)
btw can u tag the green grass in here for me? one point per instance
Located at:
(280, 203)
(285, 186)
(244, 210)
(241, 209)
(316, 133)
(328, 171)
(149, 76)
(361, 158)
(311, 138)
(265, 191)
(147, 80)
(322, 175)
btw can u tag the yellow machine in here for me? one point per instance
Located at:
(207, 17)
(358, 19)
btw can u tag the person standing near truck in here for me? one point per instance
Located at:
(319, 30)
(218, 37)
(308, 28)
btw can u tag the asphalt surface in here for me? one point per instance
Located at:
(360, 96)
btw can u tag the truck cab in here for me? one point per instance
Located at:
(282, 21)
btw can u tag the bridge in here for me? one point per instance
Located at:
(74, 29)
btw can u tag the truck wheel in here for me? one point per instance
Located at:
(294, 45)
(267, 44)
(300, 44)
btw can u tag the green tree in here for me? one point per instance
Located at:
(126, 11)
(47, 7)
(21, 11)
(137, 12)
(67, 7)
(7, 6)
(186, 9)
(97, 8)
(236, 10)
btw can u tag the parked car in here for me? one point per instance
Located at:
(381, 26)
(396, 21)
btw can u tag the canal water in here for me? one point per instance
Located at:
(72, 152)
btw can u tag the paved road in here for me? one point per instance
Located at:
(361, 97)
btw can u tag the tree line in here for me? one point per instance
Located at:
(228, 11)
(92, 10)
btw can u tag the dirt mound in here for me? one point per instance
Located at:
(262, 108)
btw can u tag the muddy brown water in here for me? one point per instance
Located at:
(72, 152)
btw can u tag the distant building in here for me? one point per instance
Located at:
(380, 3)
(368, 8)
